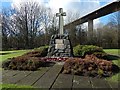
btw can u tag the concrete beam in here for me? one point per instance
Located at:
(105, 10)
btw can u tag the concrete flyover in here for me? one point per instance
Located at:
(105, 10)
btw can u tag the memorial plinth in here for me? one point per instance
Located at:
(60, 46)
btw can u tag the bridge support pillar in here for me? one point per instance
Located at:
(90, 30)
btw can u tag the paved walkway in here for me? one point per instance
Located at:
(51, 78)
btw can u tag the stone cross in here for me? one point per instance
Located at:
(61, 21)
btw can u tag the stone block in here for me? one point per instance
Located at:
(55, 50)
(66, 42)
(59, 46)
(61, 50)
(67, 50)
(59, 41)
(67, 54)
(52, 42)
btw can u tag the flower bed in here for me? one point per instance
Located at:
(90, 66)
(27, 62)
(58, 59)
(23, 63)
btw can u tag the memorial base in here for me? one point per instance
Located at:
(60, 46)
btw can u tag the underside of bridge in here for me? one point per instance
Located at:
(105, 10)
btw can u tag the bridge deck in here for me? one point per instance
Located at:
(51, 78)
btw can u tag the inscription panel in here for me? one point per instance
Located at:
(59, 46)
(59, 41)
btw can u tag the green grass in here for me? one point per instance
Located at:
(15, 53)
(116, 61)
(115, 78)
(112, 51)
(10, 51)
(11, 54)
(5, 86)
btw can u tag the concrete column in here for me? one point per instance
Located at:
(72, 34)
(90, 29)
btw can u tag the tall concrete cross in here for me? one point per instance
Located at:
(61, 21)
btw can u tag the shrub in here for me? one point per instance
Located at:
(23, 63)
(41, 47)
(42, 52)
(90, 65)
(34, 54)
(5, 64)
(28, 61)
(82, 50)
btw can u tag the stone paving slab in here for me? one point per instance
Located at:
(51, 78)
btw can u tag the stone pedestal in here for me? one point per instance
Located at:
(60, 46)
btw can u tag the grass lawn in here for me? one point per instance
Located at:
(10, 54)
(6, 86)
(112, 51)
(4, 55)
(114, 78)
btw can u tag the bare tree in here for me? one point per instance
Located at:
(31, 18)
(77, 33)
(47, 23)
(26, 23)
(6, 27)
(71, 16)
(115, 25)
(115, 18)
